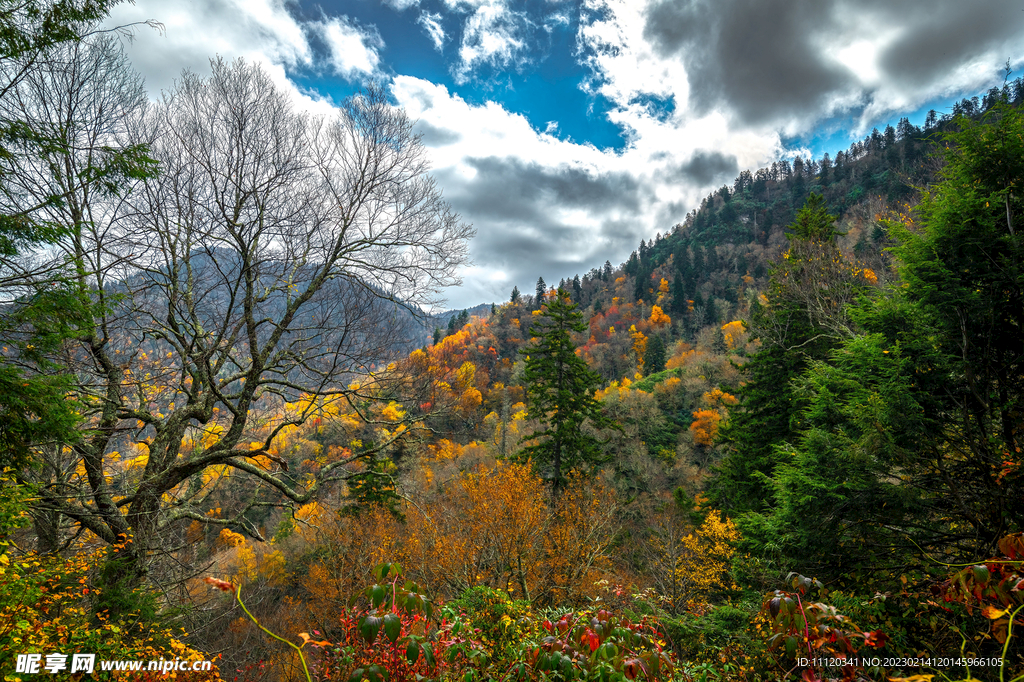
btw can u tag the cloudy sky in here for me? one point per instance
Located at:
(567, 131)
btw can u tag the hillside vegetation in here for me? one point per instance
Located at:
(781, 441)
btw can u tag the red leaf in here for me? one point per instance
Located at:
(875, 638)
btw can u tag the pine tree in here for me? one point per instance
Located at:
(515, 295)
(560, 389)
(792, 339)
(679, 304)
(654, 358)
(542, 289)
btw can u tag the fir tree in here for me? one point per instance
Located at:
(654, 357)
(560, 389)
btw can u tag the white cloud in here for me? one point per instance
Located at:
(259, 30)
(551, 207)
(493, 35)
(354, 50)
(402, 5)
(431, 23)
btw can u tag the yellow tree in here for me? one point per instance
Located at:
(688, 564)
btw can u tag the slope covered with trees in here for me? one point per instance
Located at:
(784, 432)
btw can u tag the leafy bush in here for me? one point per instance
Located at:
(46, 607)
(500, 622)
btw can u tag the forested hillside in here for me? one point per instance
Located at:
(781, 441)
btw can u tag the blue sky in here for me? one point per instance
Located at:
(567, 131)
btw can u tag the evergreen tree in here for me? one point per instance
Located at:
(542, 289)
(792, 337)
(679, 304)
(515, 295)
(643, 277)
(560, 390)
(964, 274)
(41, 306)
(654, 356)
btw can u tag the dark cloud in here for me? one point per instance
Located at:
(767, 61)
(759, 58)
(513, 188)
(705, 167)
(948, 35)
(433, 136)
(515, 206)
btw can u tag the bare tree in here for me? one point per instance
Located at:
(267, 261)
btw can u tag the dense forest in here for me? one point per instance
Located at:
(781, 441)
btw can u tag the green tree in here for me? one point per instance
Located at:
(906, 435)
(963, 269)
(795, 330)
(560, 389)
(41, 307)
(654, 357)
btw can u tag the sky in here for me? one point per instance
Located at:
(567, 131)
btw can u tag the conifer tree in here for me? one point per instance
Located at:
(791, 339)
(560, 389)
(654, 358)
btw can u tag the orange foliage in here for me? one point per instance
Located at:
(485, 529)
(717, 396)
(705, 427)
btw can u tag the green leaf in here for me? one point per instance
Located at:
(412, 652)
(392, 626)
(377, 595)
(369, 626)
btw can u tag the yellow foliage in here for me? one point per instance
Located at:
(703, 567)
(470, 400)
(445, 450)
(667, 388)
(658, 316)
(466, 376)
(639, 344)
(229, 538)
(717, 396)
(663, 287)
(393, 412)
(734, 332)
(211, 435)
